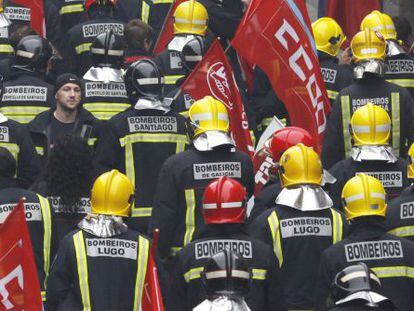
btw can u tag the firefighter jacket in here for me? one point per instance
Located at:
(95, 273)
(298, 239)
(187, 292)
(393, 176)
(25, 95)
(70, 13)
(393, 98)
(335, 76)
(400, 70)
(138, 143)
(86, 126)
(265, 199)
(400, 215)
(39, 222)
(15, 138)
(390, 257)
(6, 50)
(180, 189)
(79, 40)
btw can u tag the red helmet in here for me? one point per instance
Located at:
(224, 202)
(88, 3)
(287, 137)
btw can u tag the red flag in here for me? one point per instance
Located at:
(19, 286)
(349, 14)
(152, 298)
(277, 37)
(167, 31)
(37, 15)
(214, 76)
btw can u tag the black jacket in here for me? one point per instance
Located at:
(187, 291)
(180, 189)
(265, 199)
(298, 239)
(400, 70)
(393, 98)
(390, 257)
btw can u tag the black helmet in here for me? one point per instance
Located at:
(107, 50)
(192, 53)
(354, 283)
(33, 53)
(144, 79)
(226, 274)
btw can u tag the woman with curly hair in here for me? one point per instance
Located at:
(66, 181)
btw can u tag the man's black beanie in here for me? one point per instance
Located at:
(64, 79)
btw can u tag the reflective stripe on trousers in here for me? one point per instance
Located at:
(82, 265)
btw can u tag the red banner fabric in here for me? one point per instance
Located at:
(37, 15)
(349, 14)
(19, 286)
(278, 38)
(214, 76)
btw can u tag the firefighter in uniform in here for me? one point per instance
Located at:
(26, 94)
(329, 38)
(301, 225)
(6, 50)
(143, 137)
(38, 215)
(184, 176)
(80, 37)
(226, 277)
(102, 265)
(70, 13)
(190, 20)
(280, 141)
(368, 48)
(390, 257)
(400, 213)
(356, 288)
(105, 91)
(371, 154)
(400, 66)
(224, 214)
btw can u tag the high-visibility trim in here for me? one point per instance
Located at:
(13, 148)
(189, 216)
(82, 264)
(162, 1)
(40, 150)
(43, 294)
(337, 226)
(73, 8)
(129, 162)
(394, 272)
(82, 48)
(175, 250)
(273, 221)
(22, 114)
(395, 118)
(402, 82)
(106, 106)
(332, 94)
(184, 113)
(6, 48)
(193, 274)
(346, 119)
(141, 212)
(172, 79)
(259, 274)
(403, 231)
(143, 254)
(104, 115)
(145, 12)
(47, 234)
(92, 141)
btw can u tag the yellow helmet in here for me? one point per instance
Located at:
(300, 165)
(370, 125)
(190, 17)
(364, 195)
(328, 35)
(410, 168)
(368, 44)
(209, 114)
(112, 194)
(381, 22)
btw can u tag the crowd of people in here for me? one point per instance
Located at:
(98, 138)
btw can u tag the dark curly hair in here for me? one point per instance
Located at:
(70, 171)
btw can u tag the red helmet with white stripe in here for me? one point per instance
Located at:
(88, 3)
(224, 202)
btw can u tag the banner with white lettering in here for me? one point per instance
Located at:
(277, 37)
